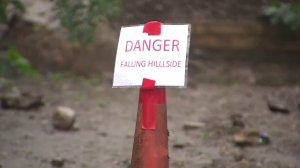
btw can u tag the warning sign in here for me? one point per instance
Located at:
(162, 58)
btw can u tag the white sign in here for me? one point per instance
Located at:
(162, 58)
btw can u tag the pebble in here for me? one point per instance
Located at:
(193, 125)
(103, 134)
(179, 145)
(237, 121)
(57, 162)
(239, 157)
(250, 137)
(21, 100)
(63, 118)
(130, 135)
(278, 106)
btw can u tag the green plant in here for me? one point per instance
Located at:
(287, 14)
(14, 63)
(80, 17)
(5, 12)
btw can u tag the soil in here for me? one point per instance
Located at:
(106, 121)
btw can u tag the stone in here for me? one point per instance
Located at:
(103, 134)
(63, 118)
(124, 163)
(192, 125)
(179, 145)
(250, 138)
(237, 121)
(21, 100)
(239, 157)
(278, 106)
(57, 162)
(129, 135)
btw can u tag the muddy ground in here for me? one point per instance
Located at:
(106, 121)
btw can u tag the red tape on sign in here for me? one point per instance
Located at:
(153, 28)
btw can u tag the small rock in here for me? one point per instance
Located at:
(28, 136)
(31, 117)
(103, 134)
(277, 106)
(129, 135)
(193, 125)
(57, 162)
(237, 121)
(179, 145)
(124, 163)
(63, 118)
(21, 100)
(250, 138)
(239, 157)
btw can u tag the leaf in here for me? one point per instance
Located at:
(19, 5)
(269, 11)
(15, 61)
(287, 14)
(12, 54)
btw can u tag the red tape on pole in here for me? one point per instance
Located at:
(148, 101)
(150, 97)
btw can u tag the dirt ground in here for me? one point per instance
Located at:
(106, 121)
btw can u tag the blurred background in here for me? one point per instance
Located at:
(240, 108)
